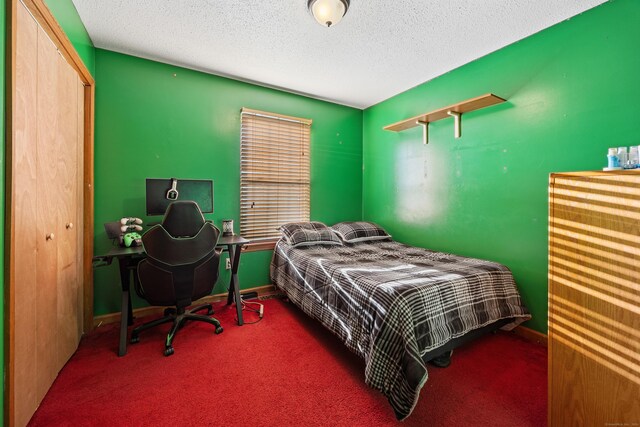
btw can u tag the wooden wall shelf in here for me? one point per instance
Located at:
(455, 110)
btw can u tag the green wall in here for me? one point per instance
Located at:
(2, 184)
(67, 16)
(572, 92)
(160, 121)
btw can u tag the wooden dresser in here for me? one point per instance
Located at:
(594, 298)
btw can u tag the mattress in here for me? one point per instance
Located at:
(391, 304)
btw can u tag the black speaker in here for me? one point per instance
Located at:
(113, 229)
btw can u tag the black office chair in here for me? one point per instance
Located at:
(181, 266)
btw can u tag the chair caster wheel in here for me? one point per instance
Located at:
(168, 351)
(135, 340)
(219, 330)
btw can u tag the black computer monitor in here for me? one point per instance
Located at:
(198, 190)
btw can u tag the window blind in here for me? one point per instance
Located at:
(274, 172)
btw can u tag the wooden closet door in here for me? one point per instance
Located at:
(45, 208)
(67, 189)
(25, 233)
(49, 192)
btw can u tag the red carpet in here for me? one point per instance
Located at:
(285, 370)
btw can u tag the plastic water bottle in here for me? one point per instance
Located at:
(634, 157)
(622, 156)
(613, 162)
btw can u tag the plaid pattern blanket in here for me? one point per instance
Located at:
(391, 303)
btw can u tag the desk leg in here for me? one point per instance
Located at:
(230, 296)
(234, 286)
(126, 315)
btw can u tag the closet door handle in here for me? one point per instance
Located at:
(69, 225)
(50, 236)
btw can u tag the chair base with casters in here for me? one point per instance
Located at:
(178, 318)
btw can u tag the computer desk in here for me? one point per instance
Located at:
(128, 259)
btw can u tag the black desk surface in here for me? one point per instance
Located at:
(232, 240)
(118, 251)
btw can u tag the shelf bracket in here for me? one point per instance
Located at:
(457, 123)
(425, 131)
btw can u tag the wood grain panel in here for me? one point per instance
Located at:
(24, 200)
(594, 299)
(66, 187)
(88, 194)
(79, 205)
(48, 147)
(48, 22)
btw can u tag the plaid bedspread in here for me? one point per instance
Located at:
(391, 303)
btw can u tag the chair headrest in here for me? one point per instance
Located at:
(183, 218)
(161, 246)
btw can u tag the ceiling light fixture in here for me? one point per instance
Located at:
(328, 12)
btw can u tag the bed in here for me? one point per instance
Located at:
(394, 305)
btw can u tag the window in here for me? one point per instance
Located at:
(274, 172)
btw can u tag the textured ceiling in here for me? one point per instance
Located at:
(379, 49)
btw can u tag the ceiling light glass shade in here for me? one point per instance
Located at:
(328, 12)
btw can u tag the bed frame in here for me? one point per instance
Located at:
(466, 338)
